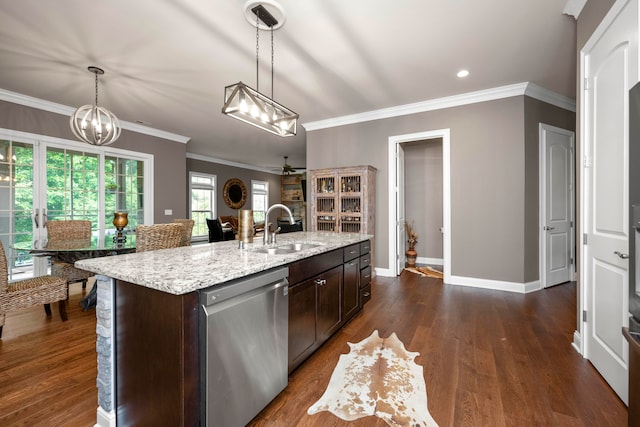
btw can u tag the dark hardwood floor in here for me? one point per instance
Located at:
(490, 359)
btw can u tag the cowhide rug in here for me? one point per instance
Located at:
(377, 377)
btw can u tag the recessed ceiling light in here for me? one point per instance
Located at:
(463, 73)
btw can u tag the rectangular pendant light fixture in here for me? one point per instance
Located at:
(250, 106)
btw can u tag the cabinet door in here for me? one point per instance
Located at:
(302, 319)
(329, 307)
(351, 274)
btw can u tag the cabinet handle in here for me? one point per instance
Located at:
(366, 294)
(366, 276)
(621, 255)
(352, 264)
(320, 282)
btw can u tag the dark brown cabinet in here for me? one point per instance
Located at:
(365, 273)
(302, 319)
(351, 282)
(328, 309)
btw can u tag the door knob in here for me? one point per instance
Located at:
(547, 228)
(621, 255)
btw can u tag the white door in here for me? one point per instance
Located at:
(610, 70)
(400, 234)
(557, 205)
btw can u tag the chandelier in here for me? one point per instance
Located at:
(249, 105)
(92, 124)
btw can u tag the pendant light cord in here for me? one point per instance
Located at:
(272, 62)
(257, 50)
(96, 89)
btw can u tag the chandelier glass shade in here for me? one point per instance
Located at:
(93, 124)
(250, 106)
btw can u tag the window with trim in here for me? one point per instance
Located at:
(203, 202)
(259, 199)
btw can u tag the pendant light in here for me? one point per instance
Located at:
(249, 105)
(92, 124)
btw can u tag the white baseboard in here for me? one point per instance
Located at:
(497, 285)
(105, 419)
(577, 342)
(430, 261)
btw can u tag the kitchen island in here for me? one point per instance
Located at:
(148, 344)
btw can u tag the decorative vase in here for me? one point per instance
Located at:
(411, 257)
(120, 221)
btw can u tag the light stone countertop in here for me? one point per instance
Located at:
(182, 270)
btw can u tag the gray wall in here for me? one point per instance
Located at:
(169, 156)
(423, 194)
(225, 172)
(489, 180)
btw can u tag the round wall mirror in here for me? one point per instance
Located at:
(234, 193)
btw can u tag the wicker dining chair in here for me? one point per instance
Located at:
(29, 292)
(158, 236)
(65, 230)
(187, 225)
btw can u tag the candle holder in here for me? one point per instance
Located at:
(120, 221)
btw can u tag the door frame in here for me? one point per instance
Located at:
(542, 191)
(445, 135)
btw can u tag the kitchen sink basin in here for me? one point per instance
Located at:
(297, 247)
(286, 249)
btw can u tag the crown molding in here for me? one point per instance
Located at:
(65, 110)
(530, 89)
(229, 163)
(574, 7)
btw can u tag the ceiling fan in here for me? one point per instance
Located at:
(287, 168)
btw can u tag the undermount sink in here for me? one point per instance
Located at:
(286, 249)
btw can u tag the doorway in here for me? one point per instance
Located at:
(397, 198)
(423, 198)
(557, 206)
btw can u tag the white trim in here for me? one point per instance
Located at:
(574, 7)
(384, 272)
(445, 134)
(472, 282)
(496, 285)
(429, 261)
(577, 342)
(105, 419)
(529, 89)
(230, 163)
(53, 107)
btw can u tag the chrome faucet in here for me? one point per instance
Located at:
(271, 238)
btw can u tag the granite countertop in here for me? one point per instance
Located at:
(182, 270)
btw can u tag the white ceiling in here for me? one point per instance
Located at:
(166, 62)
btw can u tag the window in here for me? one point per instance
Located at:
(203, 202)
(44, 178)
(259, 199)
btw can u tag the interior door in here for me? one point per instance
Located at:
(400, 230)
(611, 69)
(557, 205)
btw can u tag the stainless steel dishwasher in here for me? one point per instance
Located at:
(244, 346)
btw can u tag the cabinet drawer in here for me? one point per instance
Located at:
(351, 252)
(365, 277)
(365, 295)
(365, 260)
(365, 247)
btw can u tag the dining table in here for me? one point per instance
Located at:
(72, 250)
